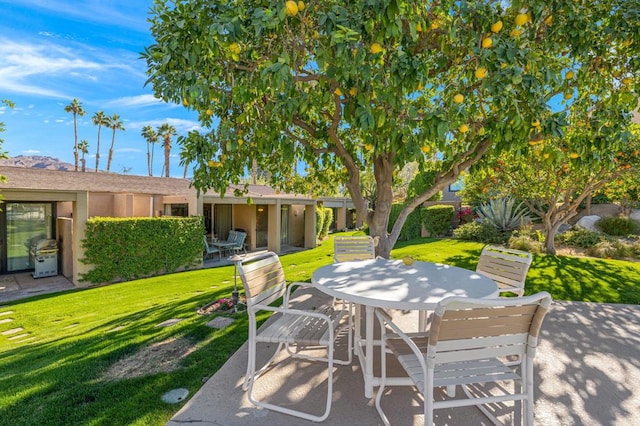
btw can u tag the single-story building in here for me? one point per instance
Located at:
(51, 204)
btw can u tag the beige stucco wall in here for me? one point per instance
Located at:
(64, 231)
(244, 217)
(101, 205)
(296, 226)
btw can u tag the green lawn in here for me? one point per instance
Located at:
(55, 373)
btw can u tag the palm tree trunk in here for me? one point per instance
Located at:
(151, 161)
(167, 153)
(113, 140)
(98, 149)
(75, 140)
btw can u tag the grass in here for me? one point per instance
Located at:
(55, 373)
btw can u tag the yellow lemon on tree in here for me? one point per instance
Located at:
(338, 92)
(496, 27)
(535, 123)
(426, 149)
(574, 155)
(627, 80)
(458, 98)
(435, 25)
(522, 19)
(209, 112)
(487, 43)
(375, 48)
(515, 33)
(353, 91)
(214, 163)
(419, 27)
(548, 20)
(185, 102)
(463, 128)
(240, 142)
(291, 8)
(482, 131)
(569, 75)
(300, 6)
(234, 48)
(480, 72)
(368, 147)
(568, 95)
(407, 260)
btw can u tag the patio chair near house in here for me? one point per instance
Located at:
(466, 344)
(264, 283)
(209, 250)
(507, 267)
(349, 248)
(238, 242)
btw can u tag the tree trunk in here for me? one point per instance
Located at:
(378, 221)
(588, 205)
(550, 238)
(113, 140)
(83, 165)
(75, 141)
(149, 161)
(167, 153)
(98, 150)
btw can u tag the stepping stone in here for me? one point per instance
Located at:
(170, 322)
(71, 326)
(6, 313)
(176, 395)
(6, 320)
(120, 327)
(220, 322)
(12, 331)
(19, 336)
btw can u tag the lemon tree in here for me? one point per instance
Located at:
(325, 90)
(555, 176)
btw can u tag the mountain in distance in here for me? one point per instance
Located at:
(39, 162)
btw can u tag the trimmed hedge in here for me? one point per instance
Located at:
(437, 220)
(123, 249)
(412, 227)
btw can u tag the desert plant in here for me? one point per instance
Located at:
(613, 249)
(526, 243)
(503, 213)
(580, 238)
(618, 226)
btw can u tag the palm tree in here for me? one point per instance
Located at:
(75, 107)
(99, 119)
(115, 124)
(83, 146)
(151, 136)
(166, 131)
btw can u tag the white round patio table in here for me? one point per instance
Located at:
(386, 283)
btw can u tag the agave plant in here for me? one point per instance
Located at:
(504, 214)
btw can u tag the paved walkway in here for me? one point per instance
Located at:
(19, 286)
(587, 372)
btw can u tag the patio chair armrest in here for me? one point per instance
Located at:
(290, 288)
(387, 323)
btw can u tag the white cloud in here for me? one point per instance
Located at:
(182, 126)
(133, 101)
(31, 152)
(135, 150)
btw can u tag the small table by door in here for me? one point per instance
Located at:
(384, 283)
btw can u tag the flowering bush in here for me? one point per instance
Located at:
(465, 215)
(224, 304)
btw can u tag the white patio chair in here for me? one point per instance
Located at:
(238, 243)
(349, 248)
(209, 250)
(506, 267)
(264, 283)
(467, 341)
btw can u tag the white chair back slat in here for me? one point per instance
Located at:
(347, 249)
(507, 267)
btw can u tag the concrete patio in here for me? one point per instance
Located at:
(587, 372)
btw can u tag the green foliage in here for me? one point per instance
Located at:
(582, 238)
(610, 249)
(327, 221)
(412, 227)
(437, 220)
(125, 249)
(338, 103)
(481, 232)
(504, 214)
(618, 226)
(423, 181)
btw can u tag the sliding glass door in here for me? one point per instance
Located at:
(25, 224)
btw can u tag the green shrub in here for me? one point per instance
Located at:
(504, 213)
(613, 249)
(579, 238)
(526, 243)
(122, 249)
(618, 226)
(326, 224)
(437, 220)
(481, 232)
(412, 227)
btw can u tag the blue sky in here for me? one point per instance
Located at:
(52, 51)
